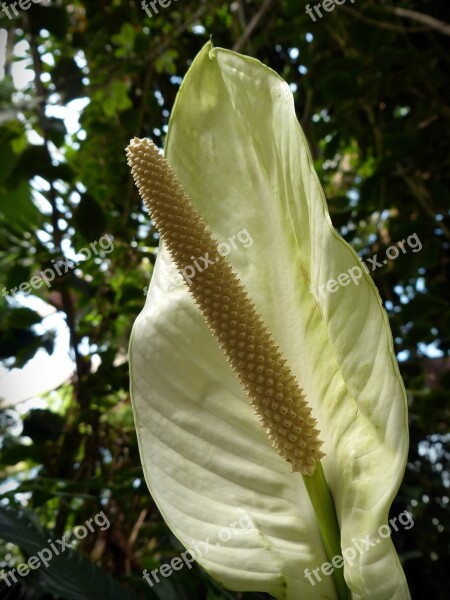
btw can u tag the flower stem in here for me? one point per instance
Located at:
(323, 505)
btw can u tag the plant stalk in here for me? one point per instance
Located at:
(322, 501)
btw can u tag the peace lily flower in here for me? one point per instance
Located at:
(254, 398)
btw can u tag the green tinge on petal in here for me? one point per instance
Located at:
(239, 152)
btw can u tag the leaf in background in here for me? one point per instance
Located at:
(70, 575)
(34, 160)
(56, 130)
(41, 425)
(17, 210)
(89, 218)
(240, 154)
(54, 19)
(68, 79)
(125, 40)
(18, 338)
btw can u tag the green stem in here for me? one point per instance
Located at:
(322, 501)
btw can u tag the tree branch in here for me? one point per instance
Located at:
(431, 22)
(254, 22)
(419, 190)
(382, 24)
(243, 22)
(55, 215)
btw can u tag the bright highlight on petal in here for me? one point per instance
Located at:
(249, 347)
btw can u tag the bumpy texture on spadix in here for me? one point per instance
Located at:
(249, 347)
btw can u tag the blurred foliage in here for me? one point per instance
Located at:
(371, 87)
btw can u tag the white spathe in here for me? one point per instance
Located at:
(238, 149)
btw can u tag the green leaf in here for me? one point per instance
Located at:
(17, 209)
(18, 338)
(35, 160)
(69, 575)
(125, 40)
(115, 99)
(241, 155)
